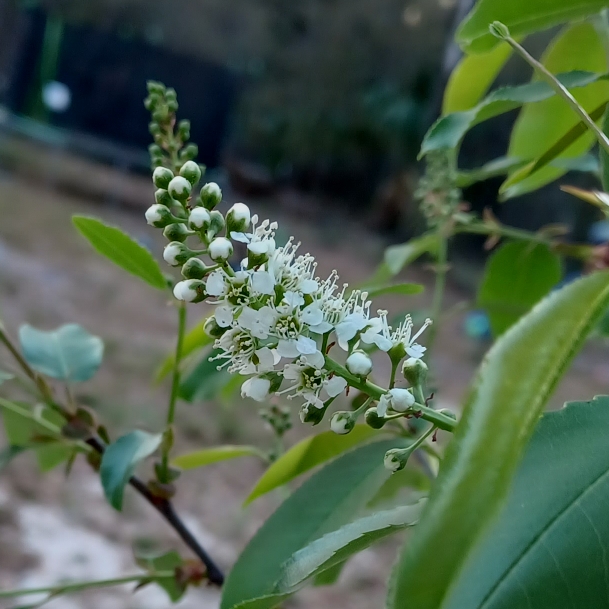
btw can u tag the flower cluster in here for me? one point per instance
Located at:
(274, 318)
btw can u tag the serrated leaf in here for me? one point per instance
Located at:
(549, 543)
(517, 275)
(329, 499)
(539, 125)
(121, 249)
(472, 77)
(447, 132)
(120, 460)
(334, 548)
(504, 404)
(399, 256)
(306, 455)
(207, 456)
(522, 17)
(205, 381)
(69, 353)
(193, 340)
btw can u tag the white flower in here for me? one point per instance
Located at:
(288, 328)
(341, 422)
(312, 381)
(259, 323)
(402, 335)
(179, 188)
(356, 320)
(218, 283)
(264, 360)
(199, 217)
(261, 241)
(155, 214)
(238, 348)
(220, 249)
(397, 398)
(359, 363)
(224, 316)
(187, 290)
(175, 253)
(256, 389)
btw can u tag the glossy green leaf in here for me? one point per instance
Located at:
(69, 353)
(506, 399)
(540, 125)
(448, 131)
(404, 289)
(334, 548)
(522, 17)
(207, 456)
(547, 549)
(121, 249)
(517, 275)
(166, 562)
(325, 502)
(472, 77)
(205, 381)
(193, 340)
(329, 576)
(399, 256)
(120, 459)
(306, 455)
(407, 478)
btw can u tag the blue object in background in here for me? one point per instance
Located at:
(477, 325)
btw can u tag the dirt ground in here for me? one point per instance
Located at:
(52, 527)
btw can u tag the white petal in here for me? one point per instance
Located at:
(316, 359)
(416, 351)
(335, 386)
(321, 328)
(293, 299)
(266, 246)
(287, 348)
(216, 284)
(306, 345)
(291, 372)
(381, 409)
(224, 316)
(241, 237)
(384, 344)
(256, 388)
(266, 359)
(308, 286)
(248, 319)
(312, 399)
(312, 315)
(263, 282)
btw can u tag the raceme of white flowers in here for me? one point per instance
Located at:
(273, 316)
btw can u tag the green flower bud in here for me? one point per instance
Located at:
(415, 371)
(199, 219)
(176, 253)
(162, 197)
(155, 87)
(396, 459)
(179, 188)
(159, 216)
(189, 152)
(211, 326)
(220, 249)
(373, 419)
(184, 129)
(194, 269)
(210, 195)
(176, 232)
(191, 171)
(190, 290)
(342, 422)
(162, 177)
(216, 222)
(238, 218)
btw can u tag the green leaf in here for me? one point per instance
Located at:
(510, 390)
(5, 376)
(120, 459)
(472, 77)
(205, 381)
(69, 353)
(330, 576)
(207, 456)
(307, 454)
(399, 256)
(121, 249)
(539, 125)
(334, 548)
(517, 275)
(405, 289)
(193, 340)
(604, 157)
(409, 477)
(522, 17)
(497, 167)
(329, 499)
(166, 562)
(549, 543)
(448, 131)
(9, 453)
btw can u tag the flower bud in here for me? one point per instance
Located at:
(176, 253)
(256, 389)
(190, 290)
(211, 326)
(199, 218)
(359, 363)
(220, 249)
(216, 222)
(238, 218)
(415, 371)
(194, 269)
(396, 459)
(210, 195)
(191, 171)
(179, 188)
(309, 413)
(161, 177)
(373, 419)
(176, 232)
(158, 215)
(401, 399)
(342, 422)
(162, 197)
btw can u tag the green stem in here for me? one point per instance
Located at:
(438, 295)
(421, 439)
(79, 586)
(483, 228)
(560, 89)
(374, 391)
(394, 370)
